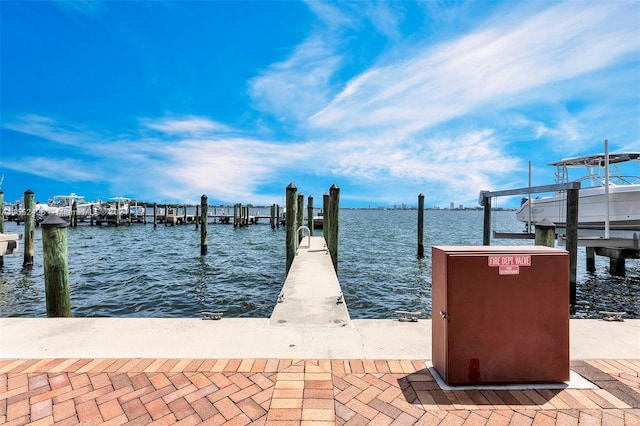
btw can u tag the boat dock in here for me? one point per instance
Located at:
(308, 364)
(311, 295)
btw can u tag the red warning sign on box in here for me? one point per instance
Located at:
(510, 259)
(510, 264)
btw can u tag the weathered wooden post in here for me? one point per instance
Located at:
(334, 207)
(145, 214)
(129, 214)
(420, 226)
(235, 215)
(197, 217)
(56, 269)
(572, 240)
(184, 216)
(310, 214)
(117, 222)
(300, 215)
(278, 216)
(326, 217)
(617, 266)
(486, 227)
(92, 212)
(272, 216)
(74, 214)
(545, 233)
(591, 259)
(291, 224)
(203, 228)
(155, 215)
(29, 219)
(73, 220)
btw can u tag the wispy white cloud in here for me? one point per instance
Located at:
(298, 86)
(487, 67)
(58, 169)
(185, 125)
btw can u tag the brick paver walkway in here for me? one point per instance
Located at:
(296, 392)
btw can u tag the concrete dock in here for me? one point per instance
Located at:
(311, 295)
(309, 364)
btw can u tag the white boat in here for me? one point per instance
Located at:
(605, 193)
(122, 206)
(61, 205)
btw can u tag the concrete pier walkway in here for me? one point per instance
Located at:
(311, 295)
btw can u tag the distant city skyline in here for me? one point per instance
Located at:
(166, 101)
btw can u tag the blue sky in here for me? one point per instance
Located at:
(166, 101)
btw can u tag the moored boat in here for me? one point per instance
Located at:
(607, 197)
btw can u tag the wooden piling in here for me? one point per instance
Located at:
(117, 219)
(155, 215)
(545, 234)
(129, 218)
(74, 215)
(617, 266)
(203, 228)
(572, 240)
(91, 217)
(184, 216)
(235, 215)
(29, 219)
(591, 259)
(420, 226)
(291, 204)
(326, 218)
(334, 210)
(310, 214)
(272, 216)
(278, 216)
(56, 269)
(486, 227)
(198, 218)
(300, 216)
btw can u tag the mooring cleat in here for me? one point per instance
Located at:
(406, 316)
(612, 316)
(211, 315)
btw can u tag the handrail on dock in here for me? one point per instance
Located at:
(303, 227)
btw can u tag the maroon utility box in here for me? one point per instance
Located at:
(500, 314)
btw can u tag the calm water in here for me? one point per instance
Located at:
(139, 271)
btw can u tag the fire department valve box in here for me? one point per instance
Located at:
(500, 314)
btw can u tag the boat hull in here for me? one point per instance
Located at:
(624, 208)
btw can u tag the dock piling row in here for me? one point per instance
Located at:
(29, 220)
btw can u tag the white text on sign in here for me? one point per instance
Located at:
(510, 260)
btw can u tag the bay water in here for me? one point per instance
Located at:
(138, 271)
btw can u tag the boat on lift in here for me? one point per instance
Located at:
(608, 199)
(61, 205)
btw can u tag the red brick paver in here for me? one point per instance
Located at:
(297, 392)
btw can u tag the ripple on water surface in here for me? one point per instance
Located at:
(145, 272)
